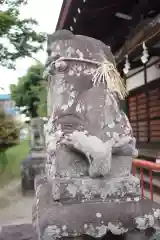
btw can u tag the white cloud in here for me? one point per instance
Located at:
(46, 12)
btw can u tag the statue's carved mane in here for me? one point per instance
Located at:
(67, 35)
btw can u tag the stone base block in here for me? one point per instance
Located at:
(33, 165)
(94, 218)
(84, 189)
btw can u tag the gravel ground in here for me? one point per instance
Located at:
(16, 213)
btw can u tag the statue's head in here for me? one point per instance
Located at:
(82, 59)
(64, 43)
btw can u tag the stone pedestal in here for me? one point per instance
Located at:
(31, 166)
(77, 207)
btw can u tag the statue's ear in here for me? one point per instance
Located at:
(60, 35)
(57, 36)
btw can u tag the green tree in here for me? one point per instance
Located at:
(18, 37)
(42, 106)
(30, 92)
(9, 133)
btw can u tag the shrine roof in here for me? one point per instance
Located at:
(111, 21)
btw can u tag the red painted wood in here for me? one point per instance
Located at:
(151, 184)
(146, 164)
(64, 14)
(142, 183)
(143, 164)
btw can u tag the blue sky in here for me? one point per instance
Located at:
(46, 12)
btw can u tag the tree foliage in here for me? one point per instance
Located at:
(17, 36)
(30, 92)
(42, 106)
(9, 132)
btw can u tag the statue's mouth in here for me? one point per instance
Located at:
(70, 122)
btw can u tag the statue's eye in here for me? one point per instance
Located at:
(55, 56)
(52, 58)
(60, 66)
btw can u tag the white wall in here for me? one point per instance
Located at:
(153, 72)
(152, 60)
(133, 71)
(137, 80)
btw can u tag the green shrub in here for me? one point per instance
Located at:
(9, 136)
(9, 132)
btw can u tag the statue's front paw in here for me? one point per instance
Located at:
(93, 173)
(67, 140)
(89, 145)
(101, 164)
(100, 168)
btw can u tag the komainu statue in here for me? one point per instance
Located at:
(37, 134)
(88, 189)
(34, 163)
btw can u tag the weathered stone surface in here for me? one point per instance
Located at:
(82, 189)
(94, 218)
(18, 232)
(86, 126)
(37, 133)
(33, 164)
(90, 217)
(40, 180)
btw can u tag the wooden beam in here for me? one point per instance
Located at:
(154, 51)
(134, 64)
(148, 33)
(63, 14)
(138, 11)
(117, 37)
(121, 33)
